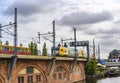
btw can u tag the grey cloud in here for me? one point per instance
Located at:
(28, 7)
(107, 42)
(101, 31)
(83, 17)
(110, 31)
(118, 22)
(103, 36)
(91, 32)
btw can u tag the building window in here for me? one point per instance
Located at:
(60, 76)
(64, 75)
(29, 70)
(21, 79)
(59, 73)
(58, 69)
(54, 76)
(30, 79)
(38, 78)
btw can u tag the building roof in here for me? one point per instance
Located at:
(115, 51)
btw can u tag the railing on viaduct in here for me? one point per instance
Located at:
(112, 64)
(40, 69)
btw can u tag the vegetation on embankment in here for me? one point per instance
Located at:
(92, 71)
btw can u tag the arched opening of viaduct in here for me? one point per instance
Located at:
(29, 73)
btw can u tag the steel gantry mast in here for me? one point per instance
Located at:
(75, 50)
(14, 58)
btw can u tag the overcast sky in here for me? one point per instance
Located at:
(93, 19)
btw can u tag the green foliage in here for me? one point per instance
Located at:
(0, 42)
(33, 48)
(44, 50)
(21, 44)
(6, 43)
(91, 67)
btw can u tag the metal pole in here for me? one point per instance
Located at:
(14, 58)
(15, 32)
(98, 53)
(88, 55)
(0, 31)
(75, 58)
(39, 37)
(75, 41)
(54, 52)
(62, 41)
(93, 49)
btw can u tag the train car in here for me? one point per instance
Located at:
(81, 54)
(62, 51)
(68, 52)
(7, 49)
(72, 52)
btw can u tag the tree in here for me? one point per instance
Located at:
(6, 43)
(91, 67)
(33, 48)
(0, 42)
(44, 50)
(21, 45)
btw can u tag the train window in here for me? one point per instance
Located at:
(0, 47)
(10, 49)
(28, 50)
(22, 49)
(3, 47)
(18, 49)
(7, 48)
(25, 49)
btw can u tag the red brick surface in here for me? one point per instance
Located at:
(43, 66)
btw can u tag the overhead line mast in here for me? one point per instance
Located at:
(14, 58)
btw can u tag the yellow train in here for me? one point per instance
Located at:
(7, 49)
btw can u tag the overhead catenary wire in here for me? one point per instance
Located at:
(24, 35)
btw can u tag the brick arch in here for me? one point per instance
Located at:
(53, 72)
(2, 79)
(18, 69)
(65, 66)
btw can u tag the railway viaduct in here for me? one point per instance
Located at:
(41, 69)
